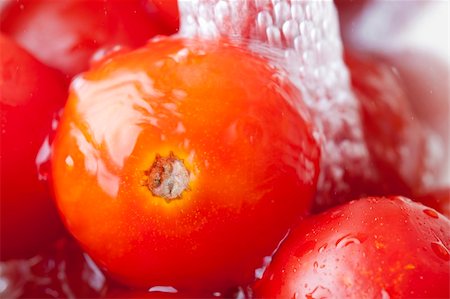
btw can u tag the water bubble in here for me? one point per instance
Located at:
(315, 265)
(319, 292)
(431, 213)
(347, 240)
(322, 248)
(163, 289)
(43, 160)
(440, 250)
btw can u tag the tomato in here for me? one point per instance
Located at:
(369, 248)
(66, 33)
(183, 163)
(397, 141)
(169, 12)
(31, 94)
(61, 270)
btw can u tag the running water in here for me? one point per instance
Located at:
(307, 36)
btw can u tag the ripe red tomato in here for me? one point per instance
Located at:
(66, 33)
(61, 270)
(169, 12)
(369, 248)
(183, 164)
(398, 144)
(31, 94)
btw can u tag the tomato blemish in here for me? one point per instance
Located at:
(168, 177)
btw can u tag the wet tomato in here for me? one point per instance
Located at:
(31, 94)
(400, 146)
(73, 30)
(369, 248)
(183, 163)
(61, 270)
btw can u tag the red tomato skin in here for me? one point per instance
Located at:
(76, 29)
(368, 248)
(169, 12)
(251, 179)
(31, 94)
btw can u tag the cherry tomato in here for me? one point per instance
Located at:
(169, 12)
(368, 248)
(31, 94)
(61, 270)
(398, 144)
(66, 33)
(183, 163)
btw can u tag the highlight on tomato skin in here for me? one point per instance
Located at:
(31, 93)
(183, 164)
(376, 247)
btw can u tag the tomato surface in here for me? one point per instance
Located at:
(31, 95)
(66, 33)
(369, 248)
(183, 163)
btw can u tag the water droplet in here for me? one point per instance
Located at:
(323, 247)
(431, 213)
(163, 289)
(43, 160)
(440, 250)
(347, 240)
(319, 292)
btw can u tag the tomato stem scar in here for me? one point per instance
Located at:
(168, 177)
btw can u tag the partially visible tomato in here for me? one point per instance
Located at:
(31, 94)
(61, 270)
(66, 33)
(399, 145)
(183, 163)
(169, 12)
(368, 248)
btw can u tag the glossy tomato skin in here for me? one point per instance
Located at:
(369, 248)
(31, 94)
(66, 33)
(229, 116)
